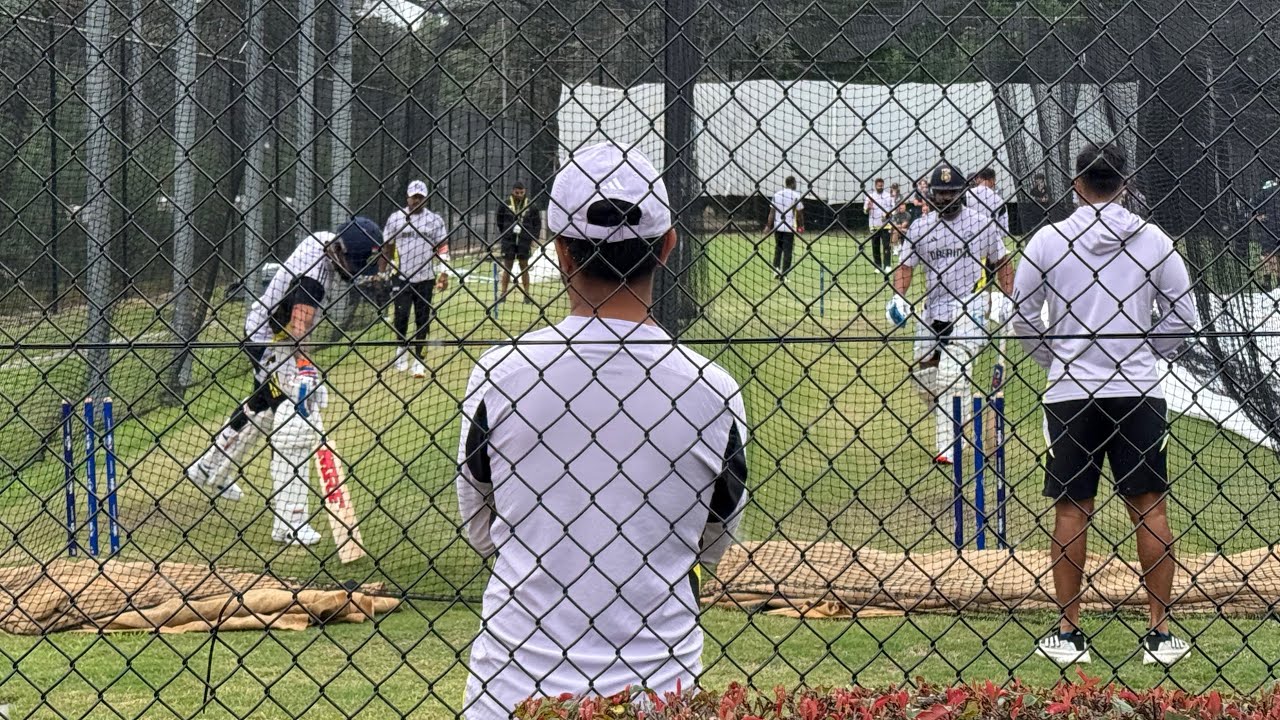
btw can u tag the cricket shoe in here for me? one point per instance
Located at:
(402, 361)
(418, 370)
(1163, 648)
(197, 474)
(1064, 648)
(301, 535)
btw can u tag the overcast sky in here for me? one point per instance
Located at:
(394, 11)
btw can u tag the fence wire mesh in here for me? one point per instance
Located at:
(773, 485)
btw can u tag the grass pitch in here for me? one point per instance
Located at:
(837, 454)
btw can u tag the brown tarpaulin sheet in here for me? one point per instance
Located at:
(830, 579)
(169, 597)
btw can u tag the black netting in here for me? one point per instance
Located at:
(162, 161)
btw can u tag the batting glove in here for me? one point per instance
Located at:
(898, 310)
(308, 389)
(1001, 308)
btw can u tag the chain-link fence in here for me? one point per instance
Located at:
(553, 515)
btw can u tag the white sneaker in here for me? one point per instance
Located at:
(302, 535)
(418, 370)
(1064, 648)
(1163, 648)
(402, 360)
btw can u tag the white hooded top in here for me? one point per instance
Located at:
(1100, 273)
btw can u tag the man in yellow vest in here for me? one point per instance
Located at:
(518, 226)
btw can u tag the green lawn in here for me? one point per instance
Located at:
(840, 452)
(411, 663)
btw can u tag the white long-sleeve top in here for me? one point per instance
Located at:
(1100, 273)
(419, 238)
(598, 462)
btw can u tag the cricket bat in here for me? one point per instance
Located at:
(997, 391)
(337, 503)
(995, 431)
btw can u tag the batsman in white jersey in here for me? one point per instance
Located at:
(288, 392)
(950, 246)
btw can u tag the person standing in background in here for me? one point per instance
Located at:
(786, 219)
(918, 203)
(987, 200)
(413, 239)
(518, 226)
(877, 206)
(1099, 274)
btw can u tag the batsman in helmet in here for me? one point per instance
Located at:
(288, 392)
(949, 245)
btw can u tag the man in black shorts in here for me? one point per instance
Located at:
(1100, 272)
(518, 226)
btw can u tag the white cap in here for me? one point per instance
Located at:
(599, 180)
(417, 187)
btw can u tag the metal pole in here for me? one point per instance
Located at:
(184, 191)
(979, 481)
(673, 303)
(342, 156)
(95, 214)
(257, 131)
(305, 150)
(55, 275)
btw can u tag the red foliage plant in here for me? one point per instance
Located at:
(1088, 699)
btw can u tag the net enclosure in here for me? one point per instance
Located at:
(161, 163)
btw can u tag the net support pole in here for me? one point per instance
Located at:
(55, 206)
(681, 64)
(254, 200)
(95, 215)
(184, 191)
(304, 139)
(341, 154)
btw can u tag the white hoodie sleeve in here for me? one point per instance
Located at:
(1029, 290)
(1175, 305)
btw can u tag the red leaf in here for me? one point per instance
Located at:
(1054, 708)
(934, 712)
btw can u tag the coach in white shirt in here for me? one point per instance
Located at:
(877, 206)
(414, 238)
(786, 220)
(599, 464)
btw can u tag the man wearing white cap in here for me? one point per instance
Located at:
(413, 239)
(600, 464)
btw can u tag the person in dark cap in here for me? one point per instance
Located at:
(950, 246)
(288, 392)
